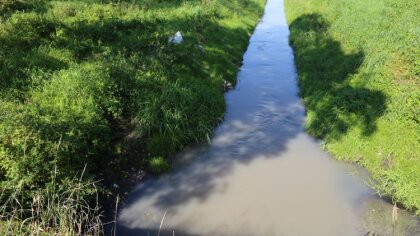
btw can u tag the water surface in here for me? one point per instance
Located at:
(261, 174)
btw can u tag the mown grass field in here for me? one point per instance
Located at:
(96, 84)
(358, 65)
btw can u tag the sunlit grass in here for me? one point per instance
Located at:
(97, 83)
(358, 71)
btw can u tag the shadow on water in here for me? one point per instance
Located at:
(261, 174)
(236, 142)
(262, 116)
(325, 81)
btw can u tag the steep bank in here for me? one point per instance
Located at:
(358, 72)
(97, 83)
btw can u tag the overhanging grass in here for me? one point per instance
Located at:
(358, 66)
(96, 82)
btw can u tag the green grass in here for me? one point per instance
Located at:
(96, 83)
(56, 210)
(358, 66)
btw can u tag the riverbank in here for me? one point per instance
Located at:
(261, 170)
(357, 63)
(98, 85)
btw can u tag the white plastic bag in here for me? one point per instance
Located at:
(177, 38)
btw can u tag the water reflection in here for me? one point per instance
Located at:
(261, 174)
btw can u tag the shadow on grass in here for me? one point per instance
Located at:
(183, 80)
(7, 7)
(325, 70)
(266, 116)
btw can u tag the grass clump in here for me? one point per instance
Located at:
(159, 165)
(358, 71)
(55, 210)
(97, 84)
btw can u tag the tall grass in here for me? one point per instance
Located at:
(54, 211)
(357, 62)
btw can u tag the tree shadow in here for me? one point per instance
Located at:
(245, 5)
(255, 133)
(24, 49)
(261, 128)
(266, 116)
(325, 71)
(134, 43)
(9, 7)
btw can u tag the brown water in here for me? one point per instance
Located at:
(261, 174)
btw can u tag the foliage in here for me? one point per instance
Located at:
(358, 71)
(96, 83)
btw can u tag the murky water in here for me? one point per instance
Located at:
(261, 174)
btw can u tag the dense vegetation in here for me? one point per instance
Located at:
(358, 66)
(96, 84)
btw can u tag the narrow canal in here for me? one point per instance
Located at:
(262, 174)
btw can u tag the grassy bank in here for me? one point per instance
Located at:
(97, 84)
(358, 66)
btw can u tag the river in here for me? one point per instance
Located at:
(261, 174)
